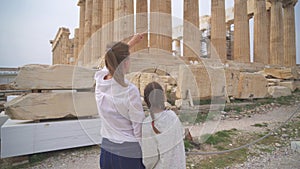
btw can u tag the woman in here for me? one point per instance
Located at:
(120, 109)
(162, 143)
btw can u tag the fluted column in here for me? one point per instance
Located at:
(107, 30)
(161, 25)
(124, 20)
(88, 19)
(96, 15)
(81, 4)
(241, 32)
(191, 32)
(260, 32)
(289, 32)
(276, 33)
(218, 30)
(75, 46)
(268, 23)
(65, 46)
(141, 23)
(96, 34)
(88, 31)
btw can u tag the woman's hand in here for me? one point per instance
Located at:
(136, 39)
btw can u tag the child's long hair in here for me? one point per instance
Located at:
(117, 53)
(155, 99)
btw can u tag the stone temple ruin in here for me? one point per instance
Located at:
(219, 41)
(215, 62)
(224, 70)
(274, 30)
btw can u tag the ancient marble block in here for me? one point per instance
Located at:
(289, 84)
(37, 106)
(203, 82)
(252, 85)
(189, 79)
(134, 78)
(146, 78)
(278, 91)
(54, 77)
(232, 80)
(282, 73)
(245, 67)
(297, 84)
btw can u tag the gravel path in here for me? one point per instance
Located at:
(283, 158)
(83, 159)
(274, 119)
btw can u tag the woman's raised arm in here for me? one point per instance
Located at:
(136, 39)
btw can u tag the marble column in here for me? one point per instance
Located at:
(261, 32)
(241, 32)
(96, 32)
(124, 20)
(96, 15)
(289, 42)
(75, 46)
(141, 24)
(81, 4)
(65, 45)
(276, 33)
(88, 31)
(191, 32)
(161, 25)
(268, 23)
(107, 29)
(218, 30)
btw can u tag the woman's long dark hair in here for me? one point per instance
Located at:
(117, 52)
(155, 99)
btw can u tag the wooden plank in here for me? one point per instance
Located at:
(53, 77)
(23, 137)
(38, 106)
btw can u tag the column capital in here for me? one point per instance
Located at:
(81, 2)
(288, 3)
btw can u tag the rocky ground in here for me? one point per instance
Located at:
(275, 116)
(282, 158)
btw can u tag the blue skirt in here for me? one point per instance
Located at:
(127, 155)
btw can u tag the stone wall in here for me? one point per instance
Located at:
(61, 91)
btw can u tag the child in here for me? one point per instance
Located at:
(162, 143)
(120, 109)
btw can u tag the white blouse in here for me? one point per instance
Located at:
(164, 150)
(120, 109)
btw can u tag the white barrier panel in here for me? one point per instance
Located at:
(25, 137)
(9, 98)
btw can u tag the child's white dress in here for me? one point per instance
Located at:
(164, 150)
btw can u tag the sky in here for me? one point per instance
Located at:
(27, 26)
